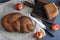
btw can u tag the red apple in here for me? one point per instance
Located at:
(39, 35)
(55, 27)
(19, 6)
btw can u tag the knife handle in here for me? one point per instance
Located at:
(49, 33)
(36, 1)
(31, 5)
(28, 4)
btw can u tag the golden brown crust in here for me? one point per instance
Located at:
(16, 25)
(6, 21)
(26, 24)
(17, 22)
(5, 24)
(14, 17)
(30, 27)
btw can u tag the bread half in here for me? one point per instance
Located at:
(51, 10)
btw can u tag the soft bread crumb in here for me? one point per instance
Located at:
(51, 10)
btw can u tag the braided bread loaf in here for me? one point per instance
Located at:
(17, 22)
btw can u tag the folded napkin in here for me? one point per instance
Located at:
(8, 8)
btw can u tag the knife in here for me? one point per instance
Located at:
(41, 25)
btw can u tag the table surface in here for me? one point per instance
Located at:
(57, 33)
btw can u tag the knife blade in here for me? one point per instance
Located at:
(41, 25)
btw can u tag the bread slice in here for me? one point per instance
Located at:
(43, 1)
(51, 10)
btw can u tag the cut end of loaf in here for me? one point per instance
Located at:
(51, 10)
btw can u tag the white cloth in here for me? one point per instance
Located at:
(9, 8)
